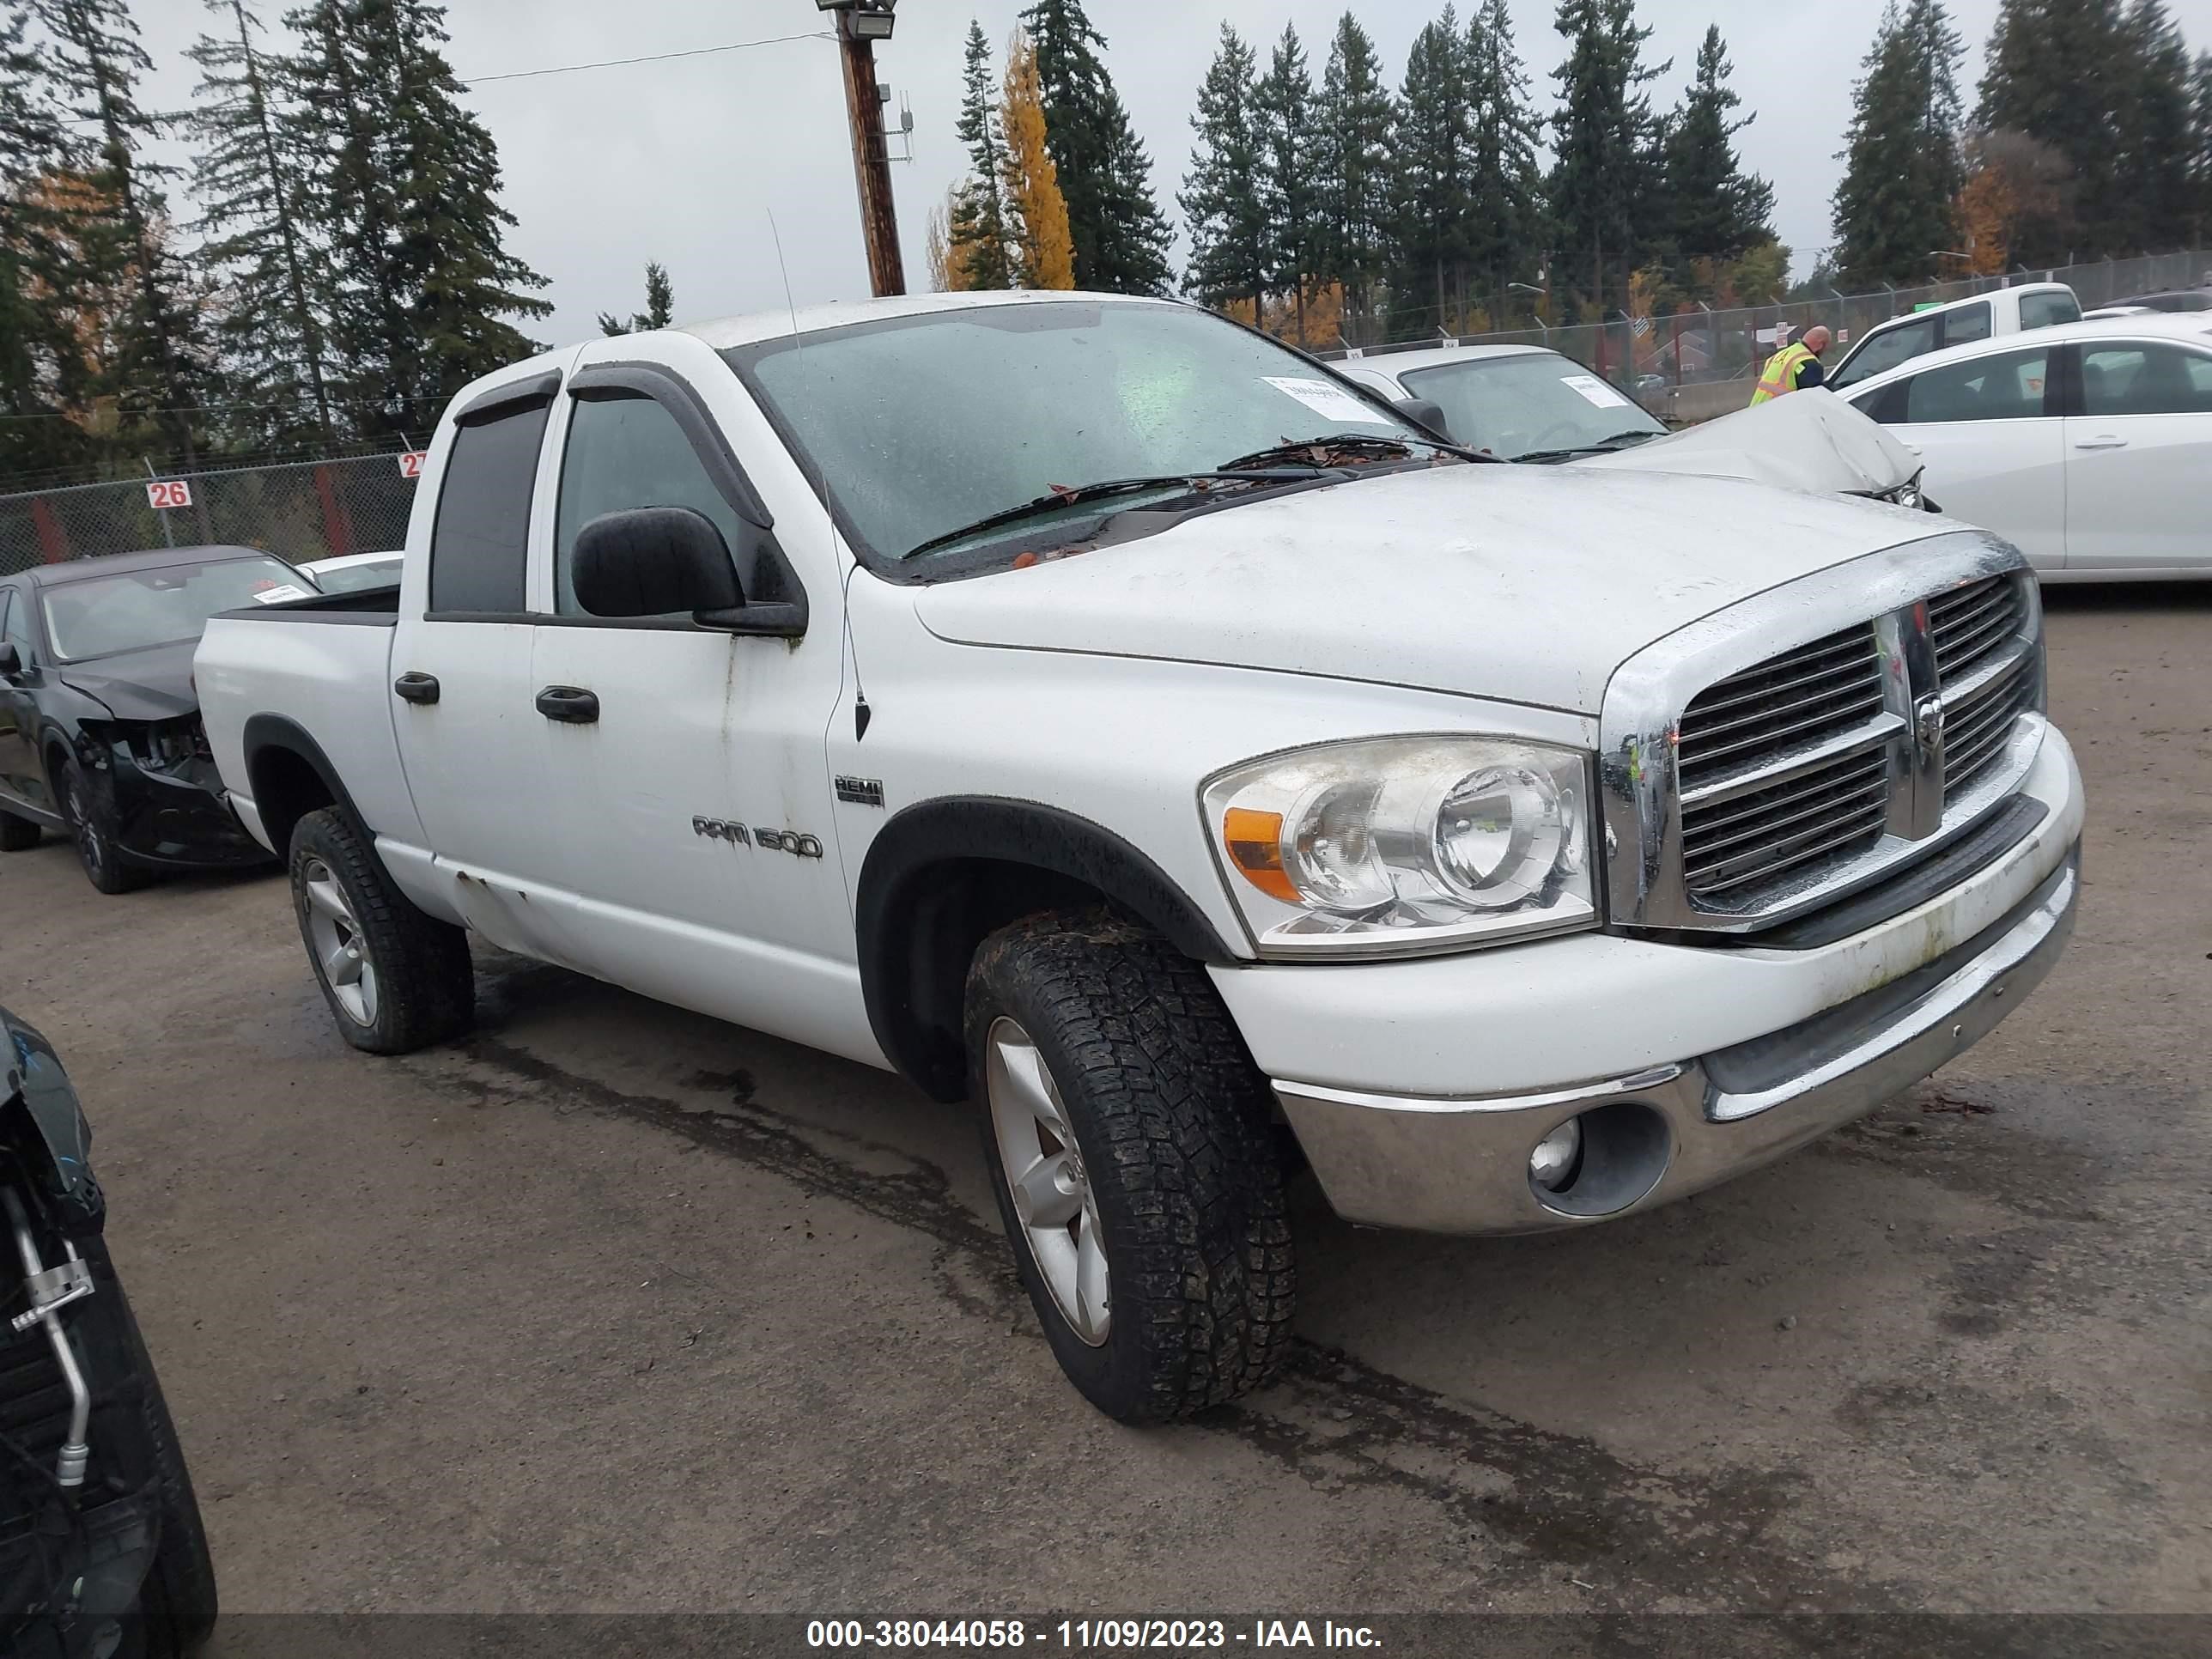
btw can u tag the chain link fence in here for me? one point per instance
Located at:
(300, 511)
(1655, 355)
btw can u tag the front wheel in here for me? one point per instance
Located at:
(1130, 1144)
(396, 979)
(92, 827)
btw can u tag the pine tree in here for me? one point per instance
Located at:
(1604, 187)
(1290, 177)
(1352, 163)
(2057, 71)
(1902, 170)
(1220, 196)
(2155, 119)
(156, 369)
(33, 347)
(1719, 211)
(409, 192)
(1433, 132)
(271, 331)
(976, 254)
(1120, 235)
(1505, 209)
(2201, 149)
(660, 305)
(1036, 213)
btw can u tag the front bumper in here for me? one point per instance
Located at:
(179, 820)
(1686, 1064)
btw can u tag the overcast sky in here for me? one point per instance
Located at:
(685, 161)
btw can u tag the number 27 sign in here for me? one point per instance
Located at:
(165, 493)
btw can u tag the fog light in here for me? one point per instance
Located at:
(1552, 1165)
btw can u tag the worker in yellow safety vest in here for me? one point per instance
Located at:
(1796, 368)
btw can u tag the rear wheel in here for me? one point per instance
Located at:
(92, 826)
(396, 979)
(1129, 1138)
(17, 834)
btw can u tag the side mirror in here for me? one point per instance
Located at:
(1423, 413)
(651, 562)
(11, 662)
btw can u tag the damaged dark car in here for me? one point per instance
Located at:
(102, 1551)
(99, 723)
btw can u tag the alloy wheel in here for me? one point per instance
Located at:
(1044, 1173)
(91, 846)
(341, 953)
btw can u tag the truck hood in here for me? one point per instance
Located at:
(1814, 442)
(1522, 584)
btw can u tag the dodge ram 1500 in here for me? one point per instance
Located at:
(1090, 707)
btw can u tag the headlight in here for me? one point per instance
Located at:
(1398, 846)
(167, 746)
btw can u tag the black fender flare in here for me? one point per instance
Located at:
(907, 864)
(265, 732)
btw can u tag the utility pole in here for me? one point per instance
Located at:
(861, 24)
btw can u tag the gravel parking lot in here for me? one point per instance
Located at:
(614, 1308)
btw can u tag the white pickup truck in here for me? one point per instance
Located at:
(1090, 707)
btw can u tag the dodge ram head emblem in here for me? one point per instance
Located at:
(1928, 728)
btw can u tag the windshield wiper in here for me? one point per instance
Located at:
(1076, 495)
(1616, 441)
(1308, 452)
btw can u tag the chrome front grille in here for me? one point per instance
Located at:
(1976, 726)
(1799, 698)
(1835, 809)
(1973, 624)
(1739, 793)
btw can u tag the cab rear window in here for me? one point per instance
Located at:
(2048, 310)
(479, 542)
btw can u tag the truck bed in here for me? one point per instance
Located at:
(325, 663)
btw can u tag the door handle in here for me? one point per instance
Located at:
(571, 704)
(416, 688)
(2103, 441)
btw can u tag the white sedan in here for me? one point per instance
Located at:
(1529, 403)
(2089, 444)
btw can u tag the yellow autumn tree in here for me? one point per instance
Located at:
(1324, 314)
(1987, 208)
(1044, 247)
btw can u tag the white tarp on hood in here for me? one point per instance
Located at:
(1811, 440)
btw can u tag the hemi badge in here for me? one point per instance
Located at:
(861, 791)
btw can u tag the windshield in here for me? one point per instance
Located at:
(919, 426)
(100, 615)
(1528, 402)
(1884, 349)
(352, 578)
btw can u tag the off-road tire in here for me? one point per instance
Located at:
(17, 834)
(1172, 1122)
(426, 985)
(178, 1602)
(92, 829)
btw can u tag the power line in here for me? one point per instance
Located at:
(169, 117)
(650, 57)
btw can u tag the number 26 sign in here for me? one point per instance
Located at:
(164, 493)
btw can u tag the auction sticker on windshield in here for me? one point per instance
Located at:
(1333, 402)
(277, 592)
(1594, 391)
